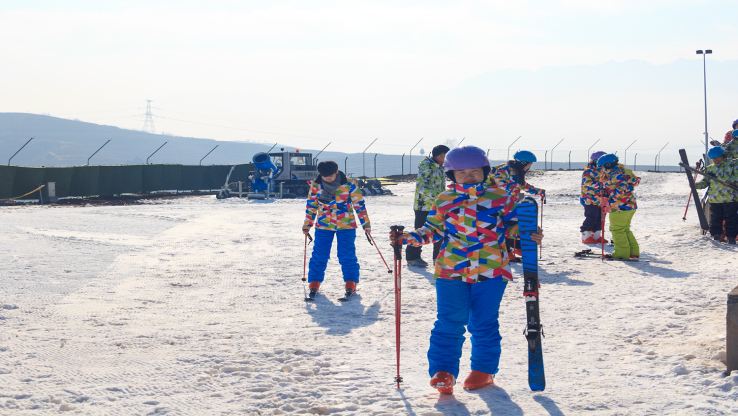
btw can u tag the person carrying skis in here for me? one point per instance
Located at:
(590, 200)
(330, 207)
(723, 199)
(511, 176)
(619, 184)
(470, 218)
(431, 181)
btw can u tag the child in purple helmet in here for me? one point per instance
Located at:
(470, 220)
(590, 199)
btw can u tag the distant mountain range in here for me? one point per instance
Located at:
(63, 142)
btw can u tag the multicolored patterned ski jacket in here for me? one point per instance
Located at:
(431, 181)
(338, 212)
(591, 186)
(718, 193)
(504, 175)
(619, 185)
(470, 222)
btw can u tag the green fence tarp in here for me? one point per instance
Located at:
(81, 181)
(7, 178)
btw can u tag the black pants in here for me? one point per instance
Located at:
(412, 252)
(727, 211)
(592, 218)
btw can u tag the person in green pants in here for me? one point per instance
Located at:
(619, 185)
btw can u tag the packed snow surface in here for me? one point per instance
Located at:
(195, 306)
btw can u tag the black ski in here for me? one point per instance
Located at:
(695, 196)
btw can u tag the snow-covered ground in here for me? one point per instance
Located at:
(194, 306)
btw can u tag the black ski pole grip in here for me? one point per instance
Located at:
(397, 231)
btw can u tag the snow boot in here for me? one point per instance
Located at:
(477, 379)
(443, 382)
(588, 237)
(599, 238)
(313, 286)
(419, 263)
(350, 288)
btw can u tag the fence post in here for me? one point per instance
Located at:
(731, 337)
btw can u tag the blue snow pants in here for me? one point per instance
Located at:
(346, 254)
(472, 305)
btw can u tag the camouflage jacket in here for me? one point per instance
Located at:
(719, 193)
(335, 212)
(470, 222)
(431, 181)
(619, 184)
(591, 186)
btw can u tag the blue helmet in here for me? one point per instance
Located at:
(735, 124)
(716, 152)
(525, 156)
(735, 134)
(607, 161)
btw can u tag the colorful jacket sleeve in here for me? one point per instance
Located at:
(311, 206)
(533, 190)
(432, 231)
(357, 200)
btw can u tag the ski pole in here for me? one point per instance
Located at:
(304, 265)
(686, 207)
(603, 214)
(372, 242)
(396, 232)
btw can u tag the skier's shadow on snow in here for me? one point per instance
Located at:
(499, 402)
(650, 269)
(342, 317)
(551, 407)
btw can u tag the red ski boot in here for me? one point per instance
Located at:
(443, 382)
(477, 379)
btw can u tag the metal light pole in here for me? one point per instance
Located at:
(569, 159)
(363, 163)
(18, 151)
(157, 149)
(545, 160)
(98, 149)
(402, 161)
(208, 153)
(411, 155)
(508, 147)
(375, 165)
(345, 165)
(321, 151)
(625, 162)
(552, 151)
(658, 157)
(704, 80)
(635, 162)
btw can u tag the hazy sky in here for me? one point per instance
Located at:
(309, 72)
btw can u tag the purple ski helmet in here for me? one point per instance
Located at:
(597, 155)
(467, 157)
(735, 124)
